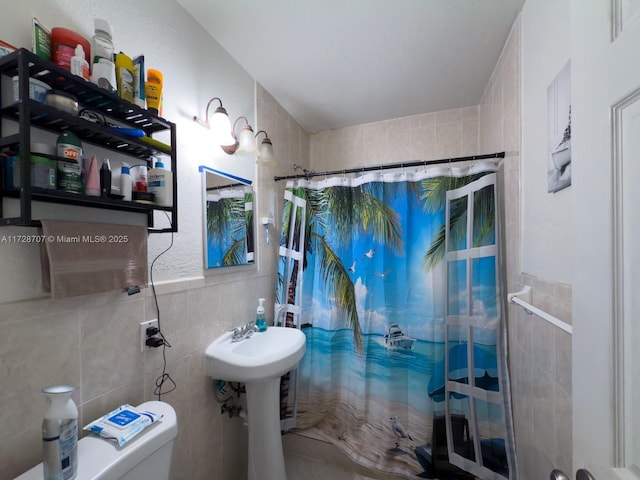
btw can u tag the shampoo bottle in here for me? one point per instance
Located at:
(60, 434)
(261, 322)
(161, 184)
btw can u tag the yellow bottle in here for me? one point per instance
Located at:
(153, 90)
(124, 76)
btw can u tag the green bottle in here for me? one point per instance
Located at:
(70, 165)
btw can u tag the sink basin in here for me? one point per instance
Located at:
(267, 354)
(259, 361)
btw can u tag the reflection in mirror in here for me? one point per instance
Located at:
(228, 221)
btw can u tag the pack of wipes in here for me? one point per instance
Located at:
(122, 424)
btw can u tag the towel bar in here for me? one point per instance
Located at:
(523, 298)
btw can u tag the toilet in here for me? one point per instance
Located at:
(148, 456)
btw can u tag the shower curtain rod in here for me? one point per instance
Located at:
(417, 163)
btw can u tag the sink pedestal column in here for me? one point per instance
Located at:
(266, 459)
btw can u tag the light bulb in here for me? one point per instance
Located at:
(247, 142)
(221, 127)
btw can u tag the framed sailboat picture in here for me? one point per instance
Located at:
(559, 131)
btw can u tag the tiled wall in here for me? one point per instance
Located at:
(540, 354)
(450, 133)
(92, 342)
(291, 147)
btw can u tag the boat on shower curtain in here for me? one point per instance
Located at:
(385, 274)
(396, 338)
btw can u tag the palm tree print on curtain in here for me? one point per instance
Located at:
(361, 273)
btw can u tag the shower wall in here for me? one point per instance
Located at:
(449, 133)
(540, 354)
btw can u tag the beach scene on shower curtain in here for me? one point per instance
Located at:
(364, 272)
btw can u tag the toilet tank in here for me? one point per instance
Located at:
(148, 456)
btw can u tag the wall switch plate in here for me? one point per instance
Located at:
(143, 333)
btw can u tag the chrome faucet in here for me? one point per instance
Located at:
(244, 332)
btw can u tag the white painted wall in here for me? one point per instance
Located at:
(547, 225)
(195, 69)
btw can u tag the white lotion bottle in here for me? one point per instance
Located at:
(160, 182)
(60, 434)
(125, 182)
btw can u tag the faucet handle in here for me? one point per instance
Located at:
(251, 325)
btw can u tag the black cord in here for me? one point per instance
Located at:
(164, 377)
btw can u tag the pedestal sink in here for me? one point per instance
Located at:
(259, 361)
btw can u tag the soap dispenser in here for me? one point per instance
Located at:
(261, 322)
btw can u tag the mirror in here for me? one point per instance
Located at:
(228, 220)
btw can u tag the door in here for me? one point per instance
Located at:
(605, 45)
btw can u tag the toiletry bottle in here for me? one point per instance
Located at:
(92, 187)
(103, 70)
(139, 178)
(105, 178)
(79, 66)
(60, 434)
(153, 90)
(124, 76)
(138, 82)
(261, 322)
(161, 184)
(125, 182)
(69, 172)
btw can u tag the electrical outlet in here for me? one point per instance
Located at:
(143, 333)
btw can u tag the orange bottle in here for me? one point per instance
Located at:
(153, 90)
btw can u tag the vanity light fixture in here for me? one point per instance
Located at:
(220, 124)
(266, 149)
(244, 144)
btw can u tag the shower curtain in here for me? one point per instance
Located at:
(395, 279)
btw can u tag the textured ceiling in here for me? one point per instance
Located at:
(335, 63)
